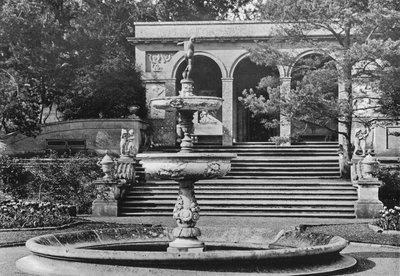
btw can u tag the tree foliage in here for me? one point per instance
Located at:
(365, 48)
(73, 55)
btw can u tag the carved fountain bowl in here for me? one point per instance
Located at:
(181, 166)
(193, 103)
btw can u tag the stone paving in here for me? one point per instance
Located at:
(373, 259)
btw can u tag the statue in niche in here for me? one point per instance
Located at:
(188, 47)
(360, 137)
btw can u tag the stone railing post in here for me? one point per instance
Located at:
(368, 204)
(119, 176)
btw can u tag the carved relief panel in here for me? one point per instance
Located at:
(156, 61)
(155, 90)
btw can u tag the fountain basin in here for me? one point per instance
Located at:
(180, 166)
(123, 250)
(193, 103)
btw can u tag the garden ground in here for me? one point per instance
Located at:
(374, 255)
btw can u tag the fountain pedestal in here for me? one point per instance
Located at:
(186, 213)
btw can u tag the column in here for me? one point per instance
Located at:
(227, 111)
(342, 95)
(285, 124)
(170, 117)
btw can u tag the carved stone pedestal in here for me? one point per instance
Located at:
(104, 208)
(186, 213)
(119, 175)
(368, 204)
(106, 203)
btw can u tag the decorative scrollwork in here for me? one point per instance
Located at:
(213, 169)
(177, 103)
(186, 216)
(158, 60)
(171, 171)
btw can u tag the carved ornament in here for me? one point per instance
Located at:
(158, 61)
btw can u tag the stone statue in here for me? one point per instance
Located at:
(360, 137)
(124, 140)
(188, 46)
(130, 149)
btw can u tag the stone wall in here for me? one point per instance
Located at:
(387, 140)
(99, 134)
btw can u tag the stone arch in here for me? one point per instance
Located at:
(306, 131)
(303, 54)
(281, 68)
(178, 59)
(246, 75)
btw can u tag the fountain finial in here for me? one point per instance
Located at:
(188, 47)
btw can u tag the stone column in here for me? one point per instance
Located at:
(342, 95)
(285, 124)
(227, 111)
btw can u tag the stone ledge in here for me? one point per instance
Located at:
(377, 229)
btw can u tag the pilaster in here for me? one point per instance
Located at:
(285, 124)
(227, 114)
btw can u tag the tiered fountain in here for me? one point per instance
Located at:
(186, 167)
(126, 251)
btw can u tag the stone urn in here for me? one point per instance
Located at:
(368, 166)
(107, 166)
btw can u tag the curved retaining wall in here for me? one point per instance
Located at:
(99, 134)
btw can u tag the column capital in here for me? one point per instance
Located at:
(285, 78)
(227, 79)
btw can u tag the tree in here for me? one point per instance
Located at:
(195, 10)
(366, 48)
(36, 57)
(73, 55)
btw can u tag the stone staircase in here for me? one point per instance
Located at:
(297, 181)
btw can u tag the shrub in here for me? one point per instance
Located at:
(279, 140)
(54, 179)
(14, 177)
(389, 219)
(66, 180)
(389, 192)
(30, 214)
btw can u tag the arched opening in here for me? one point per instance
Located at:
(248, 128)
(318, 127)
(207, 76)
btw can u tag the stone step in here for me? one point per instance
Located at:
(240, 209)
(244, 163)
(247, 192)
(267, 181)
(255, 177)
(266, 146)
(251, 213)
(271, 144)
(241, 168)
(297, 181)
(134, 198)
(325, 173)
(294, 159)
(268, 149)
(249, 202)
(247, 189)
